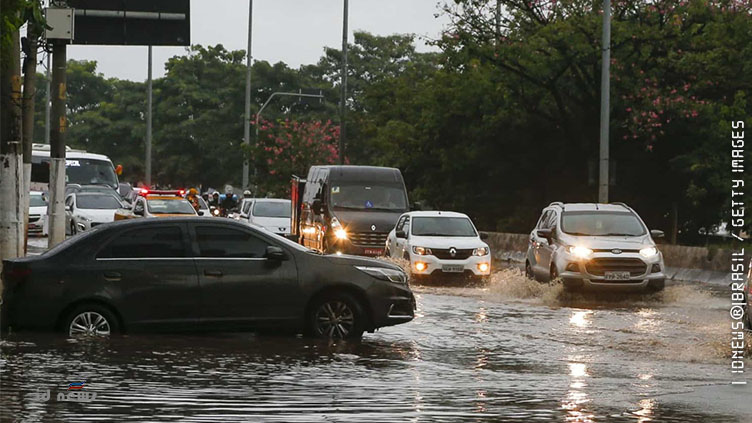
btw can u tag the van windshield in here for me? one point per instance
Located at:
(601, 224)
(367, 197)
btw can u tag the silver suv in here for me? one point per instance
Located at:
(591, 245)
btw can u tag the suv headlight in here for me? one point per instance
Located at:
(648, 252)
(422, 251)
(385, 274)
(579, 251)
(482, 251)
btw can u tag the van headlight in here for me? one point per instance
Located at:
(648, 252)
(384, 274)
(579, 251)
(422, 251)
(482, 251)
(339, 231)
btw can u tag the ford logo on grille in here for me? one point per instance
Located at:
(616, 251)
(452, 251)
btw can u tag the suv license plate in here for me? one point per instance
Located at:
(617, 276)
(449, 268)
(373, 251)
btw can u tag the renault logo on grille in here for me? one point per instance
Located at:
(616, 251)
(452, 251)
(373, 227)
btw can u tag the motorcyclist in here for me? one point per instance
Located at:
(229, 201)
(247, 194)
(214, 200)
(192, 196)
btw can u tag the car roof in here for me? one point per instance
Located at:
(276, 200)
(93, 193)
(173, 219)
(613, 207)
(435, 213)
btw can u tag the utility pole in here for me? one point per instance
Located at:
(59, 125)
(343, 88)
(247, 125)
(47, 102)
(30, 45)
(147, 171)
(605, 102)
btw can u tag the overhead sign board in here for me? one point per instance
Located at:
(132, 22)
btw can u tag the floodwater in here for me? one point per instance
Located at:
(512, 350)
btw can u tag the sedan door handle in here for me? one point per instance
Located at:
(217, 273)
(112, 276)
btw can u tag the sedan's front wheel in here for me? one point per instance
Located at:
(337, 316)
(90, 320)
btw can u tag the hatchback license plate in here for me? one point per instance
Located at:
(373, 251)
(617, 276)
(452, 268)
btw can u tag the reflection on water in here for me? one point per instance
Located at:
(467, 357)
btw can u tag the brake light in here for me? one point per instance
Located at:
(182, 192)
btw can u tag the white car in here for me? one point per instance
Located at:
(271, 213)
(438, 242)
(84, 210)
(37, 213)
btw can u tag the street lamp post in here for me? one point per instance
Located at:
(343, 88)
(247, 126)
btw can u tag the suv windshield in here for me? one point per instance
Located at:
(600, 223)
(364, 197)
(97, 202)
(157, 206)
(443, 226)
(90, 172)
(272, 209)
(37, 200)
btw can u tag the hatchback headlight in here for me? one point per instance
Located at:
(579, 251)
(648, 252)
(384, 274)
(422, 251)
(482, 251)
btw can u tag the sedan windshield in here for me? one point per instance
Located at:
(272, 209)
(364, 197)
(443, 226)
(157, 206)
(97, 202)
(601, 224)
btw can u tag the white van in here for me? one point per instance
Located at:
(81, 168)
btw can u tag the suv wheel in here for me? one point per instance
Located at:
(90, 320)
(529, 271)
(336, 316)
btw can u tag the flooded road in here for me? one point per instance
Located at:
(513, 350)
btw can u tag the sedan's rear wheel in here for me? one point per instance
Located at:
(90, 320)
(337, 316)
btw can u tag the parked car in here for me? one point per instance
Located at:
(591, 245)
(270, 213)
(347, 209)
(87, 209)
(157, 203)
(439, 242)
(189, 274)
(37, 213)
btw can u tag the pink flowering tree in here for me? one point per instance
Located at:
(289, 147)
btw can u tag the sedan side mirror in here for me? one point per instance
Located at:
(400, 234)
(656, 233)
(276, 254)
(484, 235)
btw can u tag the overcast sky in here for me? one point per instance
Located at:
(292, 31)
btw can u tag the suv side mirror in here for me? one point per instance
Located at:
(276, 254)
(484, 235)
(400, 234)
(545, 233)
(655, 233)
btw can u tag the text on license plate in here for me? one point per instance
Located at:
(373, 251)
(617, 276)
(452, 268)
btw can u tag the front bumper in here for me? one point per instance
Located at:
(392, 306)
(433, 264)
(574, 271)
(346, 246)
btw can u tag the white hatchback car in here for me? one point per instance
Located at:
(270, 213)
(438, 242)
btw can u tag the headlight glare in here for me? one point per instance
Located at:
(580, 251)
(340, 233)
(421, 251)
(384, 274)
(648, 252)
